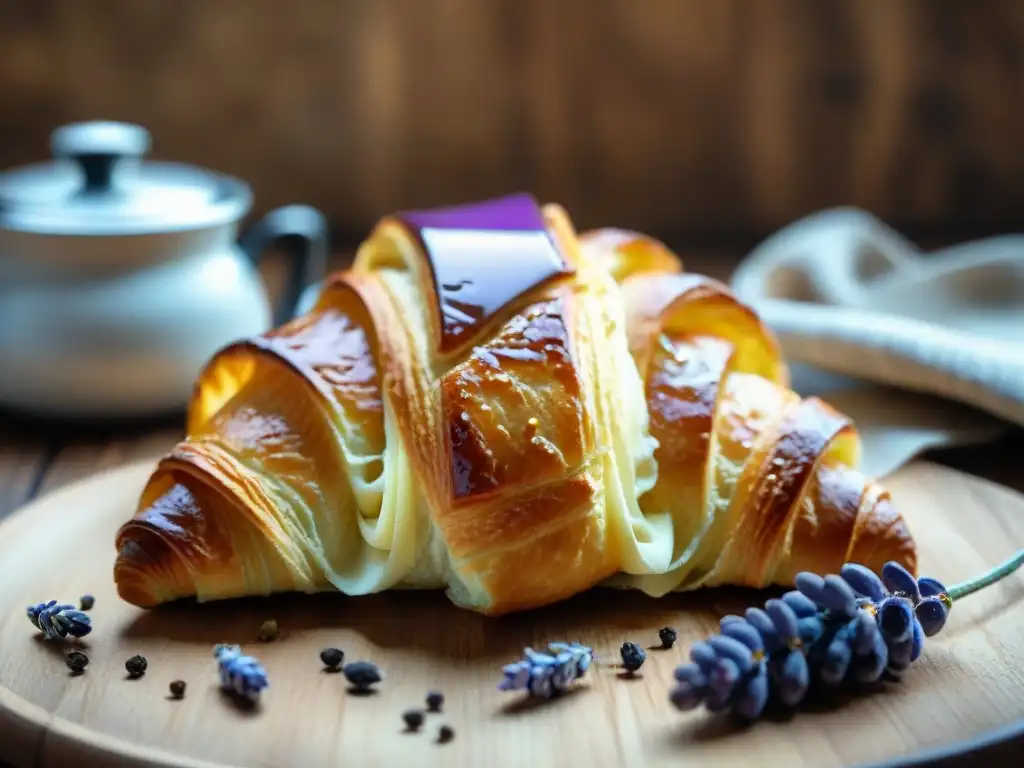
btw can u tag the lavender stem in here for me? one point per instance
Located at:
(1001, 571)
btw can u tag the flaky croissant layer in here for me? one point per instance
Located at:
(488, 403)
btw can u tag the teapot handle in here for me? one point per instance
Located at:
(304, 231)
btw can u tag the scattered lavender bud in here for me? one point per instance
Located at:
(86, 602)
(136, 666)
(178, 689)
(77, 662)
(547, 674)
(864, 581)
(241, 675)
(269, 631)
(668, 636)
(332, 658)
(633, 656)
(413, 719)
(362, 675)
(445, 734)
(58, 621)
(435, 701)
(900, 582)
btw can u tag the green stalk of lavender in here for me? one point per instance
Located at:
(986, 579)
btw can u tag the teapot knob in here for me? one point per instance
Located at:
(97, 147)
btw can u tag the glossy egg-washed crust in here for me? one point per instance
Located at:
(490, 403)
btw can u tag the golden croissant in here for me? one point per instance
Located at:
(490, 403)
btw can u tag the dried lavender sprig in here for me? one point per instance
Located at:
(547, 674)
(242, 675)
(861, 627)
(58, 621)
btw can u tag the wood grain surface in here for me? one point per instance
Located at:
(678, 116)
(968, 680)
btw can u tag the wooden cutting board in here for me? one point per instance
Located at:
(969, 680)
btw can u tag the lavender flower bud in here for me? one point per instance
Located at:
(864, 581)
(762, 622)
(540, 683)
(801, 604)
(517, 676)
(58, 621)
(744, 632)
(932, 613)
(867, 668)
(895, 619)
(917, 640)
(837, 596)
(791, 676)
(691, 673)
(545, 674)
(784, 619)
(564, 670)
(865, 633)
(810, 584)
(241, 675)
(729, 619)
(750, 700)
(899, 581)
(810, 630)
(582, 655)
(704, 656)
(836, 660)
(717, 701)
(723, 677)
(686, 696)
(899, 655)
(734, 650)
(930, 587)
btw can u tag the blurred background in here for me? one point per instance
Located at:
(708, 124)
(701, 122)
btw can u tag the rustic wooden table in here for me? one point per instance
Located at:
(37, 456)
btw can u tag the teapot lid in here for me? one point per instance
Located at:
(98, 184)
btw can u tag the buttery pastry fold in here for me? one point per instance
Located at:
(489, 403)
